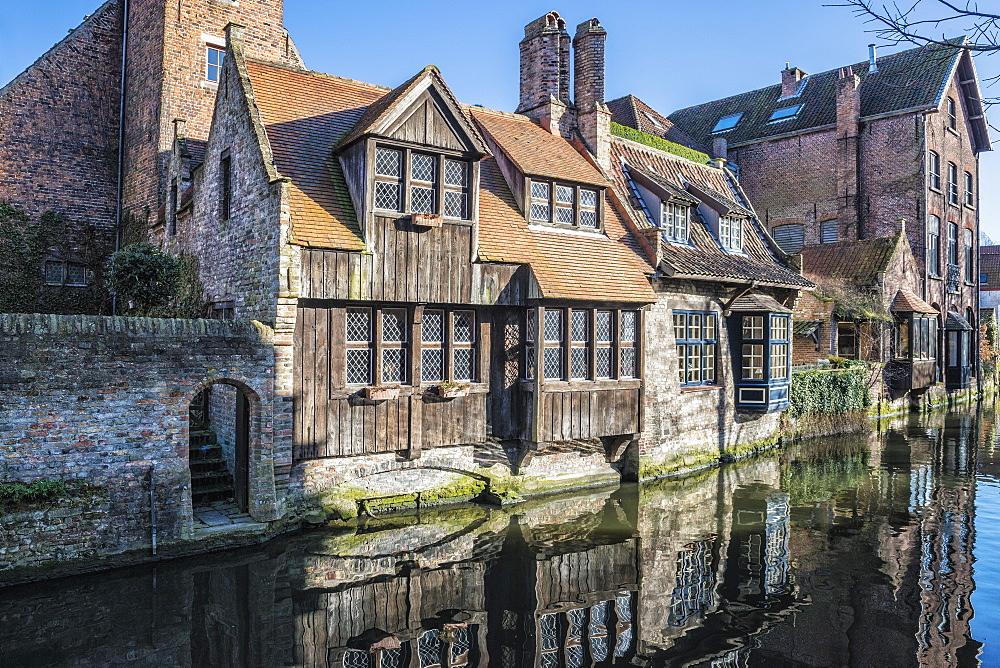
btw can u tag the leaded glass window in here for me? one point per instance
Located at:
(437, 184)
(580, 345)
(359, 345)
(463, 339)
(540, 201)
(530, 333)
(602, 363)
(588, 208)
(394, 345)
(553, 358)
(627, 341)
(565, 211)
(388, 179)
(432, 346)
(429, 649)
(564, 204)
(456, 188)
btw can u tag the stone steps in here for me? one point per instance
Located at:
(210, 477)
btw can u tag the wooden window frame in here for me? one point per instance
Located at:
(970, 256)
(774, 344)
(970, 197)
(701, 343)
(535, 344)
(211, 67)
(406, 180)
(952, 243)
(934, 170)
(952, 111)
(552, 203)
(673, 231)
(733, 229)
(64, 267)
(934, 246)
(952, 184)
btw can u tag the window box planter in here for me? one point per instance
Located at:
(382, 392)
(427, 219)
(453, 390)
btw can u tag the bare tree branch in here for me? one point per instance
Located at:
(919, 22)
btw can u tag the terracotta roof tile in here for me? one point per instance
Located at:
(305, 114)
(907, 302)
(536, 151)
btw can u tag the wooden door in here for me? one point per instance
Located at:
(241, 476)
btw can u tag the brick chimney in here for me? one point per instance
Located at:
(848, 114)
(790, 78)
(545, 74)
(593, 116)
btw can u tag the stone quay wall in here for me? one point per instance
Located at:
(102, 401)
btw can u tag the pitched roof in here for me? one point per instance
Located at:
(989, 264)
(305, 114)
(758, 302)
(857, 262)
(907, 302)
(565, 264)
(633, 112)
(703, 257)
(904, 80)
(536, 151)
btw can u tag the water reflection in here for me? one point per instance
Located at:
(849, 552)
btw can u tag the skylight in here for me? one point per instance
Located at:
(785, 113)
(727, 122)
(652, 119)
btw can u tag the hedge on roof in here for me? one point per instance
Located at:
(641, 137)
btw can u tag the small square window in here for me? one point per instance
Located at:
(76, 274)
(213, 64)
(54, 273)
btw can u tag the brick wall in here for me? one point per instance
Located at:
(59, 123)
(105, 399)
(166, 79)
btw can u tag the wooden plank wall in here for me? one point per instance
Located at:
(329, 423)
(412, 264)
(571, 578)
(589, 414)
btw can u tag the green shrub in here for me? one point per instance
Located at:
(834, 391)
(143, 276)
(15, 493)
(640, 137)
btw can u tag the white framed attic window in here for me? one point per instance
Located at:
(731, 233)
(727, 122)
(214, 57)
(785, 113)
(675, 221)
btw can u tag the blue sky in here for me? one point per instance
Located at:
(671, 54)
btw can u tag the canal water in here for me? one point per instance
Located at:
(876, 550)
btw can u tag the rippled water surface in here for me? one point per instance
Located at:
(878, 550)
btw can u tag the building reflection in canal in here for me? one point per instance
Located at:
(854, 551)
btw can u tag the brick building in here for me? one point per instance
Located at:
(845, 154)
(65, 149)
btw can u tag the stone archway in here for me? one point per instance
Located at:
(223, 427)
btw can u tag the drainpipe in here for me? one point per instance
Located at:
(121, 144)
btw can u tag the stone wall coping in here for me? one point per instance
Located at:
(41, 324)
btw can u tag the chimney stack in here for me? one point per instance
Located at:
(593, 116)
(790, 78)
(588, 65)
(848, 115)
(872, 59)
(720, 147)
(544, 62)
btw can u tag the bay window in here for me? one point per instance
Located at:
(760, 333)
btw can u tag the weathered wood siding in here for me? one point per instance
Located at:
(586, 413)
(412, 264)
(586, 576)
(334, 421)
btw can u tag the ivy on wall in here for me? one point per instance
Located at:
(26, 243)
(640, 137)
(833, 391)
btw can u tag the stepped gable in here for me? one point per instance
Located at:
(905, 80)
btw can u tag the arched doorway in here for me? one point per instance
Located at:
(219, 446)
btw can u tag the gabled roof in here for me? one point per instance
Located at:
(703, 258)
(565, 264)
(758, 302)
(536, 151)
(989, 264)
(906, 80)
(380, 115)
(856, 262)
(304, 115)
(907, 302)
(633, 112)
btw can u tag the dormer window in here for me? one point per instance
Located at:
(727, 122)
(731, 233)
(675, 221)
(564, 205)
(785, 113)
(408, 181)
